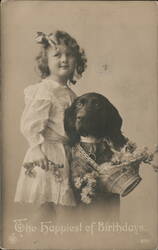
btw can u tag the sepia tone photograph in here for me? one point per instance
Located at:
(79, 125)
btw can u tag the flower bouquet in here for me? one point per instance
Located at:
(120, 175)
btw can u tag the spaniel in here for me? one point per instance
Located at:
(93, 124)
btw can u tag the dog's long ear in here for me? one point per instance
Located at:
(114, 127)
(69, 124)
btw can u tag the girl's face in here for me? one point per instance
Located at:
(61, 62)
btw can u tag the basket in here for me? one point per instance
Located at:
(121, 180)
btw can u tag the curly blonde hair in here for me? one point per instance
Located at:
(56, 38)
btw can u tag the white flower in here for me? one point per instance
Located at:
(39, 37)
(78, 182)
(130, 147)
(86, 199)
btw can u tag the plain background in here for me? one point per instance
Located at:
(120, 41)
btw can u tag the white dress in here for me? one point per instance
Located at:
(42, 124)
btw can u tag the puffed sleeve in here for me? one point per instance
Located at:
(36, 113)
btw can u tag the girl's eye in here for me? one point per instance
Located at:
(56, 55)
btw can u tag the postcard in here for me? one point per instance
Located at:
(79, 125)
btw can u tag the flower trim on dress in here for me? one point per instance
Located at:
(54, 168)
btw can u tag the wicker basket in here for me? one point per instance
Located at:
(121, 180)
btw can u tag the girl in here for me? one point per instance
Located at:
(44, 176)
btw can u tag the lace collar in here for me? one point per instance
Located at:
(54, 83)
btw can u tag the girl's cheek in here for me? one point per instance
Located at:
(72, 59)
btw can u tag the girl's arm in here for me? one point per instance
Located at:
(34, 121)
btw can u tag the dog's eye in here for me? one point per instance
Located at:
(80, 104)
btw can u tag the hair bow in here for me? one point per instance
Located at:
(42, 38)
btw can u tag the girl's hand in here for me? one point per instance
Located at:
(39, 159)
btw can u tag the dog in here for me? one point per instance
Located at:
(94, 124)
